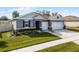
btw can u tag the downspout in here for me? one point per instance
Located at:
(64, 24)
(13, 31)
(33, 22)
(49, 25)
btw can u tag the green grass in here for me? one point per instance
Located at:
(33, 38)
(5, 35)
(66, 47)
(73, 28)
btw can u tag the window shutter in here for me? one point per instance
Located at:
(23, 23)
(29, 23)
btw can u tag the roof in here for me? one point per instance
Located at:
(34, 15)
(27, 16)
(71, 18)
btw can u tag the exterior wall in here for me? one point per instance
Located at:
(14, 24)
(44, 25)
(31, 23)
(38, 17)
(19, 24)
(72, 24)
(56, 17)
(57, 25)
(5, 26)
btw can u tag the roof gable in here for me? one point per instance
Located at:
(39, 17)
(28, 16)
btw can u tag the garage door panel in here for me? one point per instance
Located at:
(57, 25)
(44, 25)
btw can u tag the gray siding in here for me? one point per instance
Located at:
(19, 23)
(34, 25)
(31, 23)
(6, 26)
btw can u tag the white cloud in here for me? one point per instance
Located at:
(19, 9)
(24, 10)
(68, 12)
(64, 12)
(2, 13)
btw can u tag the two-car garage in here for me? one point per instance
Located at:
(54, 25)
(57, 25)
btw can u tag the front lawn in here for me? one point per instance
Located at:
(32, 38)
(73, 28)
(66, 47)
(5, 35)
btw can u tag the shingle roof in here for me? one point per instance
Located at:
(33, 15)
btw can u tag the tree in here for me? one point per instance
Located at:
(3, 18)
(15, 14)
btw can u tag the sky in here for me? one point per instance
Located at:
(64, 11)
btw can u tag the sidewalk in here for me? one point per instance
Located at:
(46, 45)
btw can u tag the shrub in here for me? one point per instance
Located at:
(3, 44)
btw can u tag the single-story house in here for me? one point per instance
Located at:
(39, 21)
(71, 23)
(5, 25)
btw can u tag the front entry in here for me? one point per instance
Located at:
(37, 25)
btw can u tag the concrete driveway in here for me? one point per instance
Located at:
(64, 33)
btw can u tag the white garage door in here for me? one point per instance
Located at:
(44, 25)
(57, 25)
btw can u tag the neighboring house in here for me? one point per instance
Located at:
(39, 21)
(71, 21)
(5, 25)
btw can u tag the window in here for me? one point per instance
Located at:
(26, 23)
(57, 17)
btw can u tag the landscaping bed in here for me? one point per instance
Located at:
(66, 47)
(27, 38)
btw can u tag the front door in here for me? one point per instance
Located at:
(37, 25)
